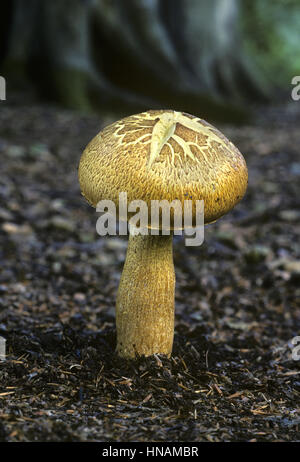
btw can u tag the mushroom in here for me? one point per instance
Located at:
(156, 155)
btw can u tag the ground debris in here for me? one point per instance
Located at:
(231, 377)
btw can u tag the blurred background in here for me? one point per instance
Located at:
(211, 58)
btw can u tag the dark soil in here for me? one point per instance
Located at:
(231, 377)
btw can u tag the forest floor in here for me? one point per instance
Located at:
(232, 376)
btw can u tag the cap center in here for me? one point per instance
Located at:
(163, 130)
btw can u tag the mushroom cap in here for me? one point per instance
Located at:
(164, 154)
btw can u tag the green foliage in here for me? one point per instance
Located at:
(271, 31)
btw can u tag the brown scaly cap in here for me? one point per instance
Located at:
(164, 154)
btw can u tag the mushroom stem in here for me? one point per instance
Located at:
(145, 300)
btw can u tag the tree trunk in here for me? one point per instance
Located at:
(134, 54)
